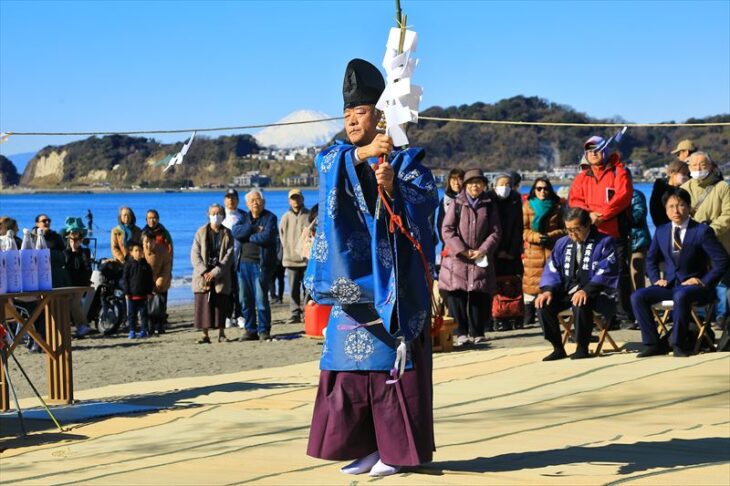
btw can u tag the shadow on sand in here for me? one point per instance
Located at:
(637, 457)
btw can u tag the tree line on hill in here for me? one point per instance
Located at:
(124, 161)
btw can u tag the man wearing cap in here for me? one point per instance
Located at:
(293, 224)
(233, 216)
(605, 189)
(684, 149)
(374, 402)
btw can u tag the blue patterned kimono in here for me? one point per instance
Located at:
(373, 279)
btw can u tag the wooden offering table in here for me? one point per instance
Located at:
(57, 345)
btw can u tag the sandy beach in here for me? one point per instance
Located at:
(100, 361)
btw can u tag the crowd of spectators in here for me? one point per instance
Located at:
(495, 240)
(606, 253)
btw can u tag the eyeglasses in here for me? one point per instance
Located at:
(542, 188)
(73, 238)
(44, 221)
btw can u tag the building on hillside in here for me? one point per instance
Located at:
(566, 172)
(300, 180)
(252, 178)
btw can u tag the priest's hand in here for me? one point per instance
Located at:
(661, 283)
(579, 298)
(384, 175)
(544, 299)
(381, 145)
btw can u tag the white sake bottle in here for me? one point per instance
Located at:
(28, 263)
(12, 265)
(3, 268)
(45, 280)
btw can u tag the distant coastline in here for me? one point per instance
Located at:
(121, 190)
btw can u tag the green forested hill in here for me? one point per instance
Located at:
(496, 147)
(122, 161)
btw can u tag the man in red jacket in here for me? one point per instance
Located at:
(605, 189)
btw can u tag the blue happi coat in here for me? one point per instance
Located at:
(599, 261)
(373, 279)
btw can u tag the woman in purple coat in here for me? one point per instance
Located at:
(471, 232)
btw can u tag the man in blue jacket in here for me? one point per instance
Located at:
(694, 262)
(257, 233)
(582, 275)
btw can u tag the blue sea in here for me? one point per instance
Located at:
(182, 213)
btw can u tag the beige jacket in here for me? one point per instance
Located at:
(199, 258)
(290, 229)
(714, 210)
(119, 251)
(161, 263)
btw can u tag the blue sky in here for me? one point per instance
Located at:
(83, 66)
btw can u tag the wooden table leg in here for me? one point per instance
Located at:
(4, 397)
(58, 335)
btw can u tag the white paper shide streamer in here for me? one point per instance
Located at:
(401, 98)
(178, 159)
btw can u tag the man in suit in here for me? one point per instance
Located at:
(694, 262)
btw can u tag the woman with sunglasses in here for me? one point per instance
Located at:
(543, 226)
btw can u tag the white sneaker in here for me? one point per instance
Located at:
(241, 322)
(382, 469)
(362, 465)
(229, 323)
(461, 340)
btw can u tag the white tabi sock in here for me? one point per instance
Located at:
(362, 465)
(382, 469)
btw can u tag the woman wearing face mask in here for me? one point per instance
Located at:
(453, 186)
(212, 256)
(544, 226)
(677, 174)
(508, 262)
(471, 232)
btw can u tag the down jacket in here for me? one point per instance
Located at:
(536, 255)
(478, 229)
(607, 192)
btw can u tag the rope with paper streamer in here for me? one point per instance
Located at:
(4, 136)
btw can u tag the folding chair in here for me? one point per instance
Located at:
(601, 322)
(667, 306)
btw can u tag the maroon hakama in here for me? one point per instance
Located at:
(357, 413)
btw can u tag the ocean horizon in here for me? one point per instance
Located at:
(182, 213)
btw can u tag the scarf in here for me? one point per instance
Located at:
(127, 230)
(472, 201)
(713, 178)
(541, 208)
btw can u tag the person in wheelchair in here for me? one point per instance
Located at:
(694, 261)
(581, 274)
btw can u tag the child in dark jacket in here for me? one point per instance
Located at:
(138, 285)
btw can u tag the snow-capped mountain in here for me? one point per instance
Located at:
(306, 135)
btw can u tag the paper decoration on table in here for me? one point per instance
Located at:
(401, 98)
(178, 159)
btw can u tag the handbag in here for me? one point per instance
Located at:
(154, 306)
